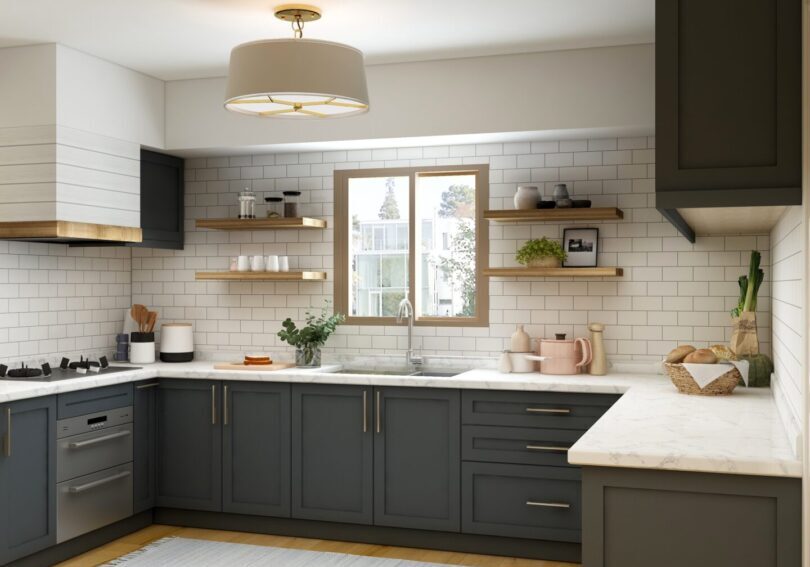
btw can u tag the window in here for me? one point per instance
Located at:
(416, 233)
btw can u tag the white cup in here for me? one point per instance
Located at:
(243, 264)
(272, 263)
(257, 263)
(283, 264)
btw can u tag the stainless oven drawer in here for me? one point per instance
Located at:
(93, 501)
(83, 454)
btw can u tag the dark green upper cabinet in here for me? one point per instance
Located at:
(161, 201)
(728, 105)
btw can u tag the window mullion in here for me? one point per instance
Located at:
(412, 241)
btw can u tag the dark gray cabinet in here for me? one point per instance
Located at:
(162, 201)
(256, 448)
(189, 444)
(145, 445)
(417, 458)
(638, 518)
(728, 104)
(332, 448)
(27, 477)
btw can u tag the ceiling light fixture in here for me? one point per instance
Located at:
(296, 78)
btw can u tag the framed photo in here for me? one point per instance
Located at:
(582, 246)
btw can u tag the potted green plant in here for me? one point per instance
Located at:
(309, 339)
(542, 253)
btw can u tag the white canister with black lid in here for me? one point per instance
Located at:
(141, 348)
(176, 342)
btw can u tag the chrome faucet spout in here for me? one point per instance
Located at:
(406, 311)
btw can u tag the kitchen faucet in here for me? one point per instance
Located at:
(406, 310)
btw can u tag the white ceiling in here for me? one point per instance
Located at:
(181, 39)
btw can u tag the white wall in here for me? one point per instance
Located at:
(28, 85)
(588, 88)
(672, 291)
(788, 257)
(107, 99)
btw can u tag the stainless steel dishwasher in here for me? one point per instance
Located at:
(93, 471)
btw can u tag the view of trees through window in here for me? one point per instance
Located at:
(380, 249)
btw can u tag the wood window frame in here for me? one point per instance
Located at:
(341, 242)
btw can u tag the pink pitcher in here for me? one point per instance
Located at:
(564, 356)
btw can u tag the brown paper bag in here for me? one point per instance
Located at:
(744, 339)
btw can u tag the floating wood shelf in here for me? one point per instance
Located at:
(261, 224)
(599, 213)
(598, 272)
(261, 276)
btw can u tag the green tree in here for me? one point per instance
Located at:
(389, 208)
(458, 202)
(459, 266)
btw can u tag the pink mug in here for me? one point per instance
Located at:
(570, 356)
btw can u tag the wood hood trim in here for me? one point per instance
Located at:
(68, 231)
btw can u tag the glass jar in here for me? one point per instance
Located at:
(291, 199)
(275, 207)
(308, 356)
(247, 204)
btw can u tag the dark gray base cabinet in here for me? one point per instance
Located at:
(417, 457)
(639, 518)
(332, 452)
(145, 445)
(27, 477)
(189, 445)
(256, 448)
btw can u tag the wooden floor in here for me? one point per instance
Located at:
(140, 538)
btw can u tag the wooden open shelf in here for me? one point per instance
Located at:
(598, 272)
(598, 213)
(261, 224)
(261, 276)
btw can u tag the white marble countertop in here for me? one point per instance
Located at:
(652, 426)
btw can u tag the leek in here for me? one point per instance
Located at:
(755, 277)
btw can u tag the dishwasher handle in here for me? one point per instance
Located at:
(96, 483)
(96, 440)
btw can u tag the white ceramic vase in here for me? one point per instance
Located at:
(527, 197)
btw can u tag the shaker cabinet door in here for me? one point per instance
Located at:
(332, 447)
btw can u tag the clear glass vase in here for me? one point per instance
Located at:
(308, 357)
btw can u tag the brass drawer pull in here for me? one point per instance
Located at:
(547, 504)
(225, 405)
(549, 410)
(379, 413)
(145, 386)
(546, 448)
(213, 405)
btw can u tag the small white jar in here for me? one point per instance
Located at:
(527, 197)
(142, 348)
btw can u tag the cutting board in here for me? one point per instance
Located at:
(262, 367)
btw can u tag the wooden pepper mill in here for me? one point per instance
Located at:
(598, 365)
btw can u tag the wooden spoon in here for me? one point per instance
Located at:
(137, 315)
(151, 320)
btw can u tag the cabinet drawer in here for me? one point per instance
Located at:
(521, 501)
(517, 445)
(93, 400)
(553, 410)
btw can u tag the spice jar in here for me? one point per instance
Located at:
(275, 207)
(291, 204)
(247, 204)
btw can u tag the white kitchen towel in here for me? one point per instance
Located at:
(705, 374)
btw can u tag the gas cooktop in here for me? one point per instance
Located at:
(66, 370)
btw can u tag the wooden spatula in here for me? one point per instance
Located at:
(138, 313)
(150, 321)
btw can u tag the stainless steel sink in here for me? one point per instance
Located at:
(400, 372)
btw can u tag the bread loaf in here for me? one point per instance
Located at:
(701, 356)
(722, 352)
(677, 355)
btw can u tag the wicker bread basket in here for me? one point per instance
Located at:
(721, 386)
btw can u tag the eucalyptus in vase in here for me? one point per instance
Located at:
(309, 339)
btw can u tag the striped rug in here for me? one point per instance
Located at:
(184, 552)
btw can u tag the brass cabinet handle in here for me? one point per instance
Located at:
(548, 410)
(8, 432)
(379, 412)
(145, 386)
(224, 405)
(546, 448)
(213, 404)
(365, 411)
(547, 504)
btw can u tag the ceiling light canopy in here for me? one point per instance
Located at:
(296, 78)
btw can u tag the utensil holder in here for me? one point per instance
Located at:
(142, 348)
